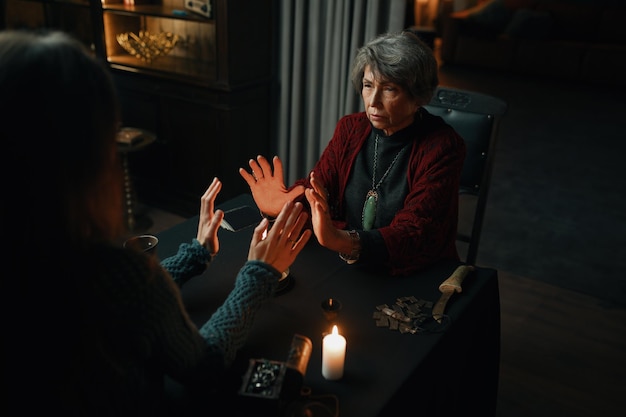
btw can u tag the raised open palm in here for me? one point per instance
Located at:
(268, 185)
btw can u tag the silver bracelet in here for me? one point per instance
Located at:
(356, 248)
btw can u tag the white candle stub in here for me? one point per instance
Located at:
(333, 355)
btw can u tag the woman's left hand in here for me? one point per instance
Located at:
(210, 220)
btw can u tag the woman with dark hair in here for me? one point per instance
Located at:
(91, 328)
(385, 190)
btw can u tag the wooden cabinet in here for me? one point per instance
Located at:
(201, 133)
(72, 16)
(207, 99)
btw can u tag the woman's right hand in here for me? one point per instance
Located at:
(280, 245)
(268, 186)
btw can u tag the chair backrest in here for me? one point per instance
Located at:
(476, 117)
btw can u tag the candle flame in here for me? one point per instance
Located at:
(335, 331)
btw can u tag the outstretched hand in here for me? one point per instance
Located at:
(280, 245)
(325, 231)
(268, 186)
(210, 220)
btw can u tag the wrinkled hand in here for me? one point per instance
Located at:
(210, 220)
(284, 240)
(268, 186)
(325, 231)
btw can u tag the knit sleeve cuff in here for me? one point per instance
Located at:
(200, 252)
(190, 260)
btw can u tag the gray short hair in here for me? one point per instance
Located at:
(401, 58)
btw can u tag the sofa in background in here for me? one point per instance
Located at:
(581, 40)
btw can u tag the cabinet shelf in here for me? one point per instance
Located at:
(182, 69)
(155, 10)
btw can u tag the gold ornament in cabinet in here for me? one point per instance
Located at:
(147, 46)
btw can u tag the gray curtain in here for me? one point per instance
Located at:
(316, 42)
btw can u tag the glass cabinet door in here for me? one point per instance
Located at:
(160, 39)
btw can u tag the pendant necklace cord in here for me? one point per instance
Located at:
(374, 184)
(371, 199)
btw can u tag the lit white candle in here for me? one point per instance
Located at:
(333, 355)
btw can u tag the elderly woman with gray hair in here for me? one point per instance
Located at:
(384, 192)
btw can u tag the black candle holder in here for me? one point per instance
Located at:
(331, 308)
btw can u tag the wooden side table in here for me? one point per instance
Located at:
(131, 139)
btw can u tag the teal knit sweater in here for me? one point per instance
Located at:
(228, 327)
(101, 339)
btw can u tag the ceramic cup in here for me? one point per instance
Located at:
(143, 243)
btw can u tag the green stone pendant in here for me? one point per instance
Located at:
(369, 210)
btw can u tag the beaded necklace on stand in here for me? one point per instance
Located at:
(371, 199)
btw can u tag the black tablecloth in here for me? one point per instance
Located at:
(450, 369)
